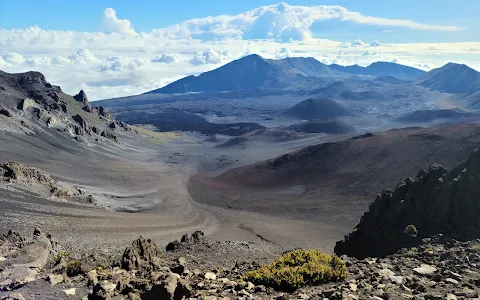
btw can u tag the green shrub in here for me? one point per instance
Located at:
(476, 248)
(74, 267)
(58, 258)
(411, 230)
(299, 268)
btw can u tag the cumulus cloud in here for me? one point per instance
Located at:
(167, 58)
(111, 24)
(358, 43)
(375, 44)
(210, 56)
(13, 58)
(123, 64)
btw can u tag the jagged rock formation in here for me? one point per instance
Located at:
(435, 201)
(82, 97)
(104, 112)
(198, 237)
(141, 253)
(33, 105)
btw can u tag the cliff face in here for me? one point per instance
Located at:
(436, 201)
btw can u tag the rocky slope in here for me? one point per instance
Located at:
(29, 104)
(435, 201)
(195, 268)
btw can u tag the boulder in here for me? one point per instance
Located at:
(5, 112)
(171, 288)
(141, 254)
(26, 103)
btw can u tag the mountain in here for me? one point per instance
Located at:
(381, 69)
(452, 78)
(436, 201)
(443, 115)
(329, 126)
(250, 72)
(313, 109)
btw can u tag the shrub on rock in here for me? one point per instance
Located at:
(299, 268)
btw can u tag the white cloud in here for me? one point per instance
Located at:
(13, 58)
(123, 64)
(167, 58)
(210, 56)
(358, 43)
(375, 43)
(111, 24)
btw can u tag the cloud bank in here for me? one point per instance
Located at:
(118, 61)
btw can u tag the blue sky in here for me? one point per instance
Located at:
(150, 14)
(118, 48)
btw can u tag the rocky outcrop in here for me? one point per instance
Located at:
(109, 135)
(140, 254)
(198, 237)
(104, 112)
(435, 201)
(84, 126)
(82, 97)
(22, 173)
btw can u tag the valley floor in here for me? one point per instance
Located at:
(141, 189)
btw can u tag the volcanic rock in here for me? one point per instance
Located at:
(5, 112)
(22, 173)
(104, 112)
(141, 253)
(82, 97)
(435, 201)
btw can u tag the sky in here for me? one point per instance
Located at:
(119, 48)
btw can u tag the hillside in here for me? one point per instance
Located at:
(335, 181)
(378, 69)
(313, 109)
(452, 78)
(28, 104)
(329, 126)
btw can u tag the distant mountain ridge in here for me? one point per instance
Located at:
(254, 71)
(381, 68)
(452, 78)
(455, 79)
(250, 72)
